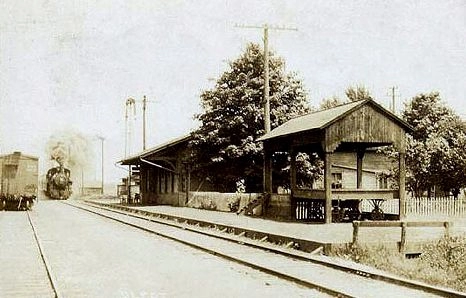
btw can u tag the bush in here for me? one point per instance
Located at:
(208, 205)
(233, 204)
(442, 263)
(446, 262)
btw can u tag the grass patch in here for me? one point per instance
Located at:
(442, 263)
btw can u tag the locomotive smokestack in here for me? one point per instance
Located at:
(59, 153)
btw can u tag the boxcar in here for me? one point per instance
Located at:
(18, 181)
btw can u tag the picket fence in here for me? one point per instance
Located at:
(431, 207)
(420, 207)
(423, 207)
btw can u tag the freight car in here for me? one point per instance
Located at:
(58, 183)
(18, 181)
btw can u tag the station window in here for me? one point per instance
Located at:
(382, 182)
(337, 179)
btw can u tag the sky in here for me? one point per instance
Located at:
(70, 66)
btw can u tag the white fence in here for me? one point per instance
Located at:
(432, 207)
(422, 207)
(415, 207)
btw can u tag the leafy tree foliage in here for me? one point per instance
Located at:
(331, 102)
(358, 92)
(436, 155)
(225, 147)
(353, 93)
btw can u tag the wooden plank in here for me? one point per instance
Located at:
(364, 125)
(359, 160)
(364, 194)
(379, 224)
(391, 224)
(429, 224)
(402, 183)
(346, 194)
(267, 172)
(328, 187)
(309, 193)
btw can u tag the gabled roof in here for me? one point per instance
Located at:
(324, 118)
(19, 154)
(156, 149)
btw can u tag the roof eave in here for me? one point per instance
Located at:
(135, 159)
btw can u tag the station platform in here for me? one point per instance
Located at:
(310, 235)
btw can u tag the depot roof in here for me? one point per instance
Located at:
(134, 159)
(322, 119)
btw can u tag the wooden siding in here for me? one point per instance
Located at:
(364, 125)
(18, 174)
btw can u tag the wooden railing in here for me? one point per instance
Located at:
(347, 194)
(403, 224)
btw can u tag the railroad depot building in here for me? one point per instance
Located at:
(345, 138)
(163, 174)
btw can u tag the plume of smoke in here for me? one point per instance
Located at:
(70, 149)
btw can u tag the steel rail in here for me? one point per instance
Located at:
(269, 271)
(53, 282)
(296, 255)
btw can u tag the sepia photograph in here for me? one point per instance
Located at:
(232, 148)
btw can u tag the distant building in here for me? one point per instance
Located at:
(163, 174)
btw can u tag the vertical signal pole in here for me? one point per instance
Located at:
(101, 138)
(130, 105)
(144, 101)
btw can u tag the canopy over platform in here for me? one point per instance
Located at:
(351, 127)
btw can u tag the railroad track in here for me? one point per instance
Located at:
(51, 278)
(335, 279)
(24, 270)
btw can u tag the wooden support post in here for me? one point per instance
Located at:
(188, 183)
(328, 187)
(355, 232)
(267, 183)
(447, 229)
(359, 157)
(402, 183)
(292, 170)
(267, 172)
(403, 237)
(292, 183)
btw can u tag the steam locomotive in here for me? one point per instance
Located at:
(58, 183)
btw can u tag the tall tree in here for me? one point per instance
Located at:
(359, 92)
(436, 155)
(353, 93)
(330, 102)
(233, 118)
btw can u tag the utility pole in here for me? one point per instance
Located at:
(266, 28)
(393, 99)
(144, 108)
(267, 168)
(102, 162)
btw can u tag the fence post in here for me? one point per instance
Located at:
(447, 229)
(355, 231)
(403, 236)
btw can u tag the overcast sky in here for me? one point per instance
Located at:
(71, 65)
